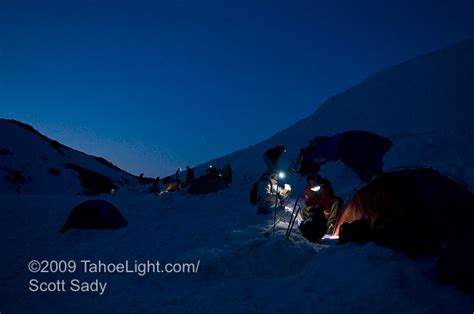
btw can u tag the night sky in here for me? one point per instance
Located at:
(153, 85)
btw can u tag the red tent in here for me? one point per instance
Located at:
(416, 210)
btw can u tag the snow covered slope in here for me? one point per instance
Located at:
(241, 270)
(425, 105)
(32, 163)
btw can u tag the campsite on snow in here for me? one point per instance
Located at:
(396, 150)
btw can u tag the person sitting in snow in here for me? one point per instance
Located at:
(320, 202)
(270, 194)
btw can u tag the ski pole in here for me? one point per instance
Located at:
(275, 210)
(292, 218)
(293, 223)
(291, 229)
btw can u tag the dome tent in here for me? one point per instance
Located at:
(415, 211)
(95, 214)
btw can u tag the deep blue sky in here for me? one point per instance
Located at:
(152, 85)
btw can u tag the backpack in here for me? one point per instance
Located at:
(253, 197)
(314, 228)
(253, 193)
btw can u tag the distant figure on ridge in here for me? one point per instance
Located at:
(227, 173)
(155, 188)
(189, 175)
(213, 171)
(178, 179)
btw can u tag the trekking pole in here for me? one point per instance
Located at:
(290, 228)
(276, 205)
(292, 221)
(275, 212)
(292, 225)
(292, 215)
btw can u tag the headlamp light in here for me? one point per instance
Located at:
(316, 188)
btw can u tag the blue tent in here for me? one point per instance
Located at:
(361, 151)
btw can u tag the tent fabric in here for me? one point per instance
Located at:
(206, 184)
(455, 266)
(169, 179)
(415, 211)
(361, 151)
(172, 187)
(95, 214)
(422, 194)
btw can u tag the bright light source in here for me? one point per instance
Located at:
(316, 188)
(281, 175)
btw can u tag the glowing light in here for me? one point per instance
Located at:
(316, 188)
(281, 175)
